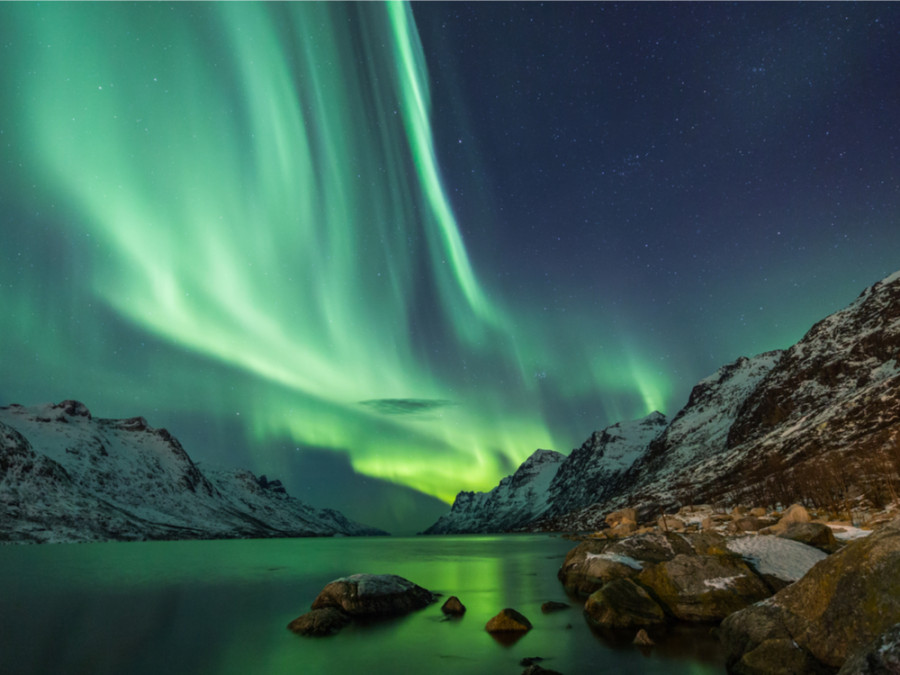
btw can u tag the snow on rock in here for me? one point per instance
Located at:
(788, 560)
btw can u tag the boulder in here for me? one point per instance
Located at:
(746, 524)
(794, 514)
(623, 604)
(618, 517)
(818, 535)
(589, 566)
(879, 657)
(844, 602)
(320, 622)
(554, 606)
(670, 523)
(704, 587)
(651, 547)
(758, 512)
(373, 595)
(642, 639)
(623, 529)
(453, 606)
(508, 621)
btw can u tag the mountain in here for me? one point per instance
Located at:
(819, 422)
(518, 498)
(67, 476)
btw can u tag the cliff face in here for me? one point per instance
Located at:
(782, 423)
(66, 476)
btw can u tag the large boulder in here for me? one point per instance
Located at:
(704, 587)
(373, 595)
(843, 603)
(623, 604)
(880, 657)
(796, 513)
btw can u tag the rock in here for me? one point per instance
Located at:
(320, 622)
(623, 604)
(843, 603)
(758, 512)
(623, 529)
(531, 660)
(812, 534)
(707, 543)
(738, 512)
(651, 547)
(794, 514)
(747, 524)
(553, 606)
(707, 523)
(670, 524)
(373, 595)
(588, 567)
(453, 606)
(618, 517)
(508, 621)
(879, 657)
(704, 587)
(642, 639)
(539, 670)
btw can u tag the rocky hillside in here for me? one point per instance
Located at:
(67, 476)
(521, 497)
(818, 423)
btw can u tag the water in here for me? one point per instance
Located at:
(222, 607)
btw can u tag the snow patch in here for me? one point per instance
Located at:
(783, 558)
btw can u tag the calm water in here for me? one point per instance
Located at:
(216, 607)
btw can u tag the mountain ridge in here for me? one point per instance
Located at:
(67, 476)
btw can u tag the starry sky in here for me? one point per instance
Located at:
(384, 251)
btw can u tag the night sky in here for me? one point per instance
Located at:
(385, 252)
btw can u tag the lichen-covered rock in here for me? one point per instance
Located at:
(818, 535)
(623, 604)
(508, 621)
(320, 622)
(453, 606)
(880, 657)
(843, 603)
(373, 595)
(592, 564)
(704, 587)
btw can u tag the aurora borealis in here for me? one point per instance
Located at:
(432, 238)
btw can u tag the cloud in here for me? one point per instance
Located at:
(406, 406)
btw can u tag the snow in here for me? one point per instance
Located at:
(848, 532)
(783, 558)
(722, 583)
(615, 557)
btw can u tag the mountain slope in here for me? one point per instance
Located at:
(814, 423)
(519, 498)
(66, 476)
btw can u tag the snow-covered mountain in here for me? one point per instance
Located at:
(779, 421)
(67, 476)
(518, 498)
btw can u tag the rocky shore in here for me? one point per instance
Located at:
(786, 591)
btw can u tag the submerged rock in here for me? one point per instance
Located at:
(642, 639)
(842, 604)
(554, 606)
(373, 595)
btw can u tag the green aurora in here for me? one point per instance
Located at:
(258, 188)
(276, 230)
